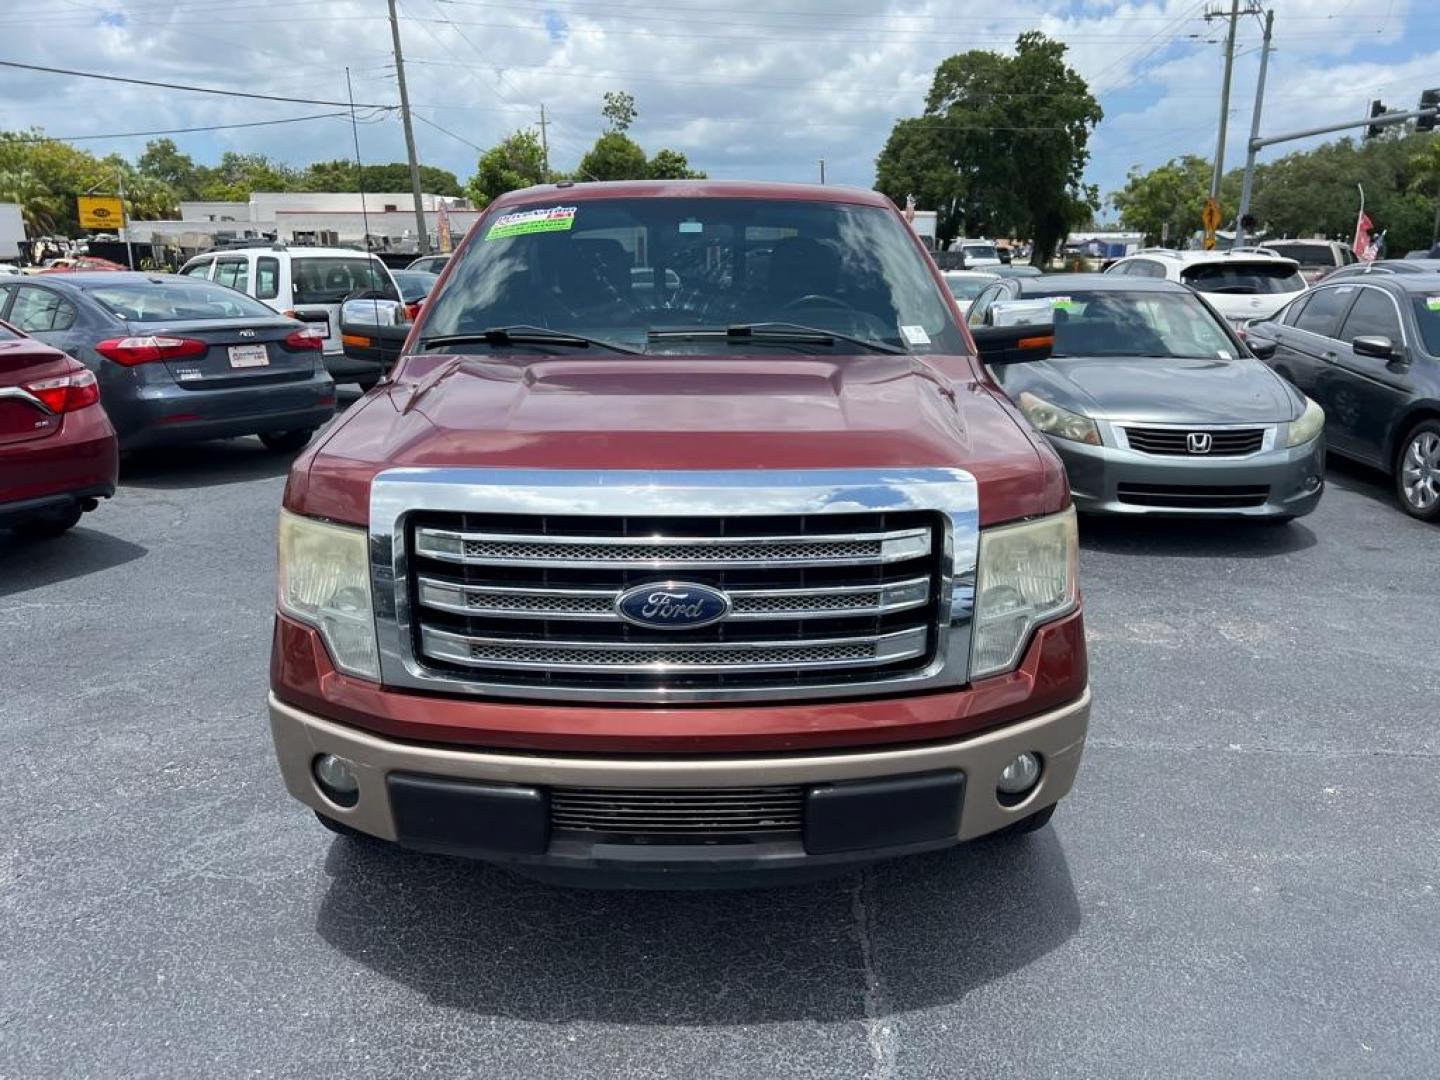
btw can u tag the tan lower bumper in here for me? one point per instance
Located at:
(1058, 736)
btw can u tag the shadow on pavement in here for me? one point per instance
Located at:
(1194, 538)
(477, 938)
(200, 465)
(26, 565)
(1363, 480)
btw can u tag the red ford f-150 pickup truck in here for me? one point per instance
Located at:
(688, 543)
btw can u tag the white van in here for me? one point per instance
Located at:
(308, 283)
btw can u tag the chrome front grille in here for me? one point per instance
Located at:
(1223, 442)
(533, 601)
(510, 583)
(658, 814)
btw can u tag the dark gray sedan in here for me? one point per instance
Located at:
(1153, 403)
(180, 359)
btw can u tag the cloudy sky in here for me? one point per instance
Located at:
(746, 88)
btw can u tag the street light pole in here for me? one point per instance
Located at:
(424, 232)
(1225, 101)
(1247, 184)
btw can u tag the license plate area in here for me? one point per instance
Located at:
(246, 356)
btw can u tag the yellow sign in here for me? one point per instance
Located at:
(1210, 216)
(101, 212)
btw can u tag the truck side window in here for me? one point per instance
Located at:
(267, 278)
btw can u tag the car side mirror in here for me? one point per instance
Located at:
(1262, 349)
(1378, 346)
(1014, 344)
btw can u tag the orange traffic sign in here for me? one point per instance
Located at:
(1210, 216)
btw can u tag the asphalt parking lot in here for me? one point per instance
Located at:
(1243, 884)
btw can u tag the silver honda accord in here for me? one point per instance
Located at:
(1152, 401)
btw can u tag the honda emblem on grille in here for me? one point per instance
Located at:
(1198, 442)
(676, 605)
(247, 333)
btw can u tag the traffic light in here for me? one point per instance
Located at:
(1430, 99)
(1377, 108)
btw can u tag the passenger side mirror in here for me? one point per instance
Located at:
(1382, 348)
(1014, 344)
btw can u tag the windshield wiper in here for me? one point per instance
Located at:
(780, 332)
(521, 334)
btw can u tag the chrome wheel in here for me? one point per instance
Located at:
(1420, 471)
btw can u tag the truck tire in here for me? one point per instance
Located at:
(48, 526)
(1027, 825)
(286, 442)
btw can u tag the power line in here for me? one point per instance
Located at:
(172, 131)
(183, 86)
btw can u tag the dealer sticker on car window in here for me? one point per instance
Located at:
(915, 335)
(1432, 303)
(521, 222)
(1062, 303)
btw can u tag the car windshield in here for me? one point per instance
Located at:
(1247, 278)
(966, 288)
(172, 299)
(1313, 256)
(726, 263)
(329, 279)
(1152, 324)
(980, 251)
(1427, 314)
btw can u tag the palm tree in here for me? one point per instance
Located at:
(39, 206)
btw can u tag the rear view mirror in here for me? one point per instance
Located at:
(372, 313)
(1377, 346)
(1014, 344)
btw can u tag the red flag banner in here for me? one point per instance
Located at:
(1364, 245)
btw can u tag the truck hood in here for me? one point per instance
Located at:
(682, 412)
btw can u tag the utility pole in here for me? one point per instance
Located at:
(544, 147)
(1224, 99)
(125, 220)
(422, 229)
(822, 170)
(1247, 184)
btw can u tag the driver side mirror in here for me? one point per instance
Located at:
(372, 312)
(1378, 346)
(1262, 348)
(1014, 344)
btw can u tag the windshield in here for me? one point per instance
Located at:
(1163, 325)
(1427, 314)
(980, 251)
(963, 288)
(1247, 278)
(1312, 256)
(177, 298)
(328, 280)
(591, 268)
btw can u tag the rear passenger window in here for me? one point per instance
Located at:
(233, 273)
(267, 278)
(200, 269)
(1322, 314)
(37, 310)
(1373, 315)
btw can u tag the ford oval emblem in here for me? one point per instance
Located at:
(675, 605)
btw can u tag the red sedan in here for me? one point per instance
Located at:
(58, 454)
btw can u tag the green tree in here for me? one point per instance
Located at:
(1172, 195)
(516, 162)
(614, 157)
(238, 176)
(619, 111)
(340, 175)
(671, 165)
(161, 160)
(1001, 147)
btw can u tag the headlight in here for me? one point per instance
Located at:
(1062, 423)
(1310, 424)
(325, 581)
(1026, 576)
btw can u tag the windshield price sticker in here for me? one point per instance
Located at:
(523, 222)
(1432, 303)
(915, 335)
(1062, 303)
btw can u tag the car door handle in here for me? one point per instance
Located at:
(1331, 356)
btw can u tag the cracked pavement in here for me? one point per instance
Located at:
(1244, 882)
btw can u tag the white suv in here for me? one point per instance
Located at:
(1246, 284)
(307, 283)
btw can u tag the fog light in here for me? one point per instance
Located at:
(1019, 776)
(337, 779)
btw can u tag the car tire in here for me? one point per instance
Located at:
(366, 385)
(1026, 825)
(339, 828)
(286, 442)
(48, 526)
(1420, 455)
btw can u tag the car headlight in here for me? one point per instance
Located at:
(1062, 423)
(325, 581)
(1026, 575)
(1310, 424)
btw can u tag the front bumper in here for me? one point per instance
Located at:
(494, 806)
(1280, 483)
